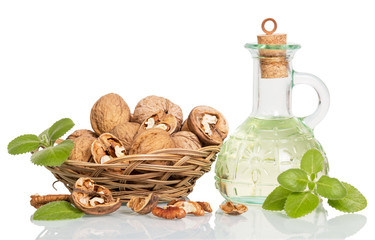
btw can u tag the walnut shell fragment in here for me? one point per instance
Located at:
(231, 209)
(186, 140)
(108, 112)
(169, 212)
(82, 148)
(143, 205)
(151, 105)
(92, 198)
(126, 132)
(151, 140)
(166, 122)
(81, 132)
(208, 124)
(107, 147)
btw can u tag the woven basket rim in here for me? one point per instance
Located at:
(154, 155)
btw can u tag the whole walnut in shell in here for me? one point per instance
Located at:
(208, 124)
(151, 140)
(126, 132)
(108, 112)
(81, 132)
(186, 140)
(82, 148)
(151, 105)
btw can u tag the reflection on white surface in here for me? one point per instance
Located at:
(125, 224)
(254, 224)
(257, 223)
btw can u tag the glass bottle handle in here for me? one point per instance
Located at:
(323, 95)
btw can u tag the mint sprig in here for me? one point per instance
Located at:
(299, 191)
(58, 210)
(46, 152)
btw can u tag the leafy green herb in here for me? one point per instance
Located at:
(277, 198)
(59, 128)
(23, 144)
(58, 210)
(299, 204)
(297, 200)
(312, 161)
(293, 179)
(354, 201)
(50, 154)
(53, 156)
(330, 188)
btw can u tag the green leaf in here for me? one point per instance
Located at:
(53, 156)
(23, 144)
(354, 201)
(293, 179)
(311, 185)
(59, 128)
(330, 188)
(312, 161)
(300, 203)
(44, 138)
(275, 201)
(58, 210)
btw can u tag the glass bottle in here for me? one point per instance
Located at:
(272, 139)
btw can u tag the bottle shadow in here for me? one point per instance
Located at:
(257, 223)
(125, 224)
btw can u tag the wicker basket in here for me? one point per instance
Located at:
(139, 176)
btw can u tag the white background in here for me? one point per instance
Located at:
(58, 57)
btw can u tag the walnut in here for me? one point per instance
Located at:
(151, 105)
(126, 132)
(208, 124)
(37, 200)
(143, 205)
(151, 140)
(190, 207)
(167, 122)
(81, 132)
(169, 212)
(107, 147)
(92, 198)
(82, 148)
(186, 140)
(231, 209)
(206, 206)
(108, 112)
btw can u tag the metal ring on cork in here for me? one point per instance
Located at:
(274, 26)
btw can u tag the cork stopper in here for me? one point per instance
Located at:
(272, 62)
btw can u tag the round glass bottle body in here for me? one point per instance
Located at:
(271, 140)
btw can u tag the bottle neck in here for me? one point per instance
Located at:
(271, 96)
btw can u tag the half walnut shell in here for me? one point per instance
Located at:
(107, 147)
(166, 122)
(231, 209)
(208, 124)
(143, 205)
(92, 198)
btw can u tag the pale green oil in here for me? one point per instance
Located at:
(257, 152)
